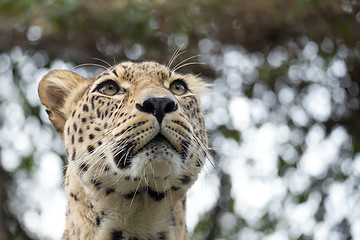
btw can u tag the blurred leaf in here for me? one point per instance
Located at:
(230, 133)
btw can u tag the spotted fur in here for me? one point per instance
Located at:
(132, 155)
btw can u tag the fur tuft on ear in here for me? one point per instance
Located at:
(59, 90)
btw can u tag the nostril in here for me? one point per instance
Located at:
(158, 107)
(149, 107)
(170, 107)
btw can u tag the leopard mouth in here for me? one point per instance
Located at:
(159, 138)
(123, 153)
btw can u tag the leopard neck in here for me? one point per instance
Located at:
(119, 217)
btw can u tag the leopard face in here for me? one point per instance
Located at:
(135, 129)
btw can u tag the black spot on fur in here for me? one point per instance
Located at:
(174, 188)
(172, 217)
(157, 196)
(130, 195)
(185, 179)
(130, 127)
(109, 190)
(84, 167)
(182, 125)
(73, 155)
(161, 236)
(199, 163)
(117, 235)
(91, 136)
(114, 72)
(92, 103)
(96, 183)
(90, 149)
(85, 108)
(74, 196)
(163, 76)
(98, 221)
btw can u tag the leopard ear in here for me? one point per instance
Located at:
(59, 90)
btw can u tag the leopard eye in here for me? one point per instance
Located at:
(109, 88)
(178, 87)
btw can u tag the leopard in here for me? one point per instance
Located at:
(135, 143)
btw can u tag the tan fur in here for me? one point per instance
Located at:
(129, 169)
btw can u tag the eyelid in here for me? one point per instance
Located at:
(178, 80)
(99, 83)
(109, 81)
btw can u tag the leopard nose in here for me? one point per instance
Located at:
(158, 106)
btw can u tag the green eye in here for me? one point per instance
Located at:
(109, 88)
(178, 87)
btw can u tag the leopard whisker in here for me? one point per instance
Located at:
(167, 186)
(136, 191)
(96, 150)
(114, 61)
(103, 61)
(96, 155)
(206, 150)
(146, 182)
(188, 64)
(152, 169)
(91, 65)
(127, 153)
(64, 168)
(97, 140)
(184, 61)
(175, 55)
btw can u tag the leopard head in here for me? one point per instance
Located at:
(133, 126)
